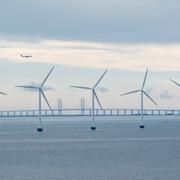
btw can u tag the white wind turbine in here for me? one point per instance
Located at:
(142, 102)
(40, 90)
(94, 96)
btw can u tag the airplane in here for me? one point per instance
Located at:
(26, 56)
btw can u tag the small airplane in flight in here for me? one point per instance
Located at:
(26, 56)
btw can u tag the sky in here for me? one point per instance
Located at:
(83, 38)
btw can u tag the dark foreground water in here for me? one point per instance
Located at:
(68, 150)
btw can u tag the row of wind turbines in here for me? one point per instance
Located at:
(41, 93)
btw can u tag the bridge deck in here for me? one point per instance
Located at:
(87, 112)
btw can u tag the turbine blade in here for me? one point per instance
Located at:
(46, 100)
(47, 77)
(97, 99)
(175, 82)
(3, 93)
(81, 87)
(145, 78)
(131, 92)
(100, 78)
(150, 98)
(29, 87)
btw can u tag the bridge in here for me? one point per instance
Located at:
(87, 112)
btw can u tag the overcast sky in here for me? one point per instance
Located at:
(92, 20)
(82, 38)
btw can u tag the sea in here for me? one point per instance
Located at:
(68, 149)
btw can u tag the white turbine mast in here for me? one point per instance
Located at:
(94, 96)
(40, 90)
(142, 100)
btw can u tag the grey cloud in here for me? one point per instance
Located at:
(102, 89)
(91, 48)
(149, 91)
(165, 95)
(102, 20)
(44, 88)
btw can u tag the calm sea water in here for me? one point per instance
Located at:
(69, 150)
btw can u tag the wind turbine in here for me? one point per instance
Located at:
(94, 96)
(40, 90)
(142, 102)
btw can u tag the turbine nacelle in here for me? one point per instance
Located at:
(40, 88)
(93, 88)
(141, 90)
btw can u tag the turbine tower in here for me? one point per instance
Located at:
(142, 98)
(94, 96)
(40, 91)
